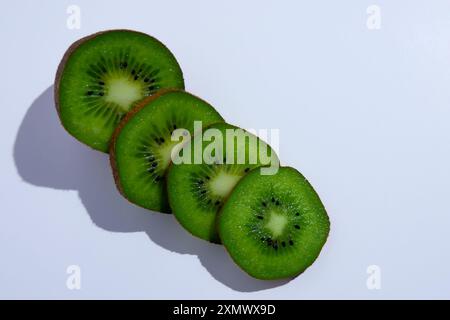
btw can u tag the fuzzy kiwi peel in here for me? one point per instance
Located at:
(102, 76)
(112, 145)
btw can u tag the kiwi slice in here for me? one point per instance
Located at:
(141, 148)
(198, 189)
(274, 226)
(103, 75)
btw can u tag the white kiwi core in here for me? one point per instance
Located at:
(223, 183)
(123, 92)
(276, 223)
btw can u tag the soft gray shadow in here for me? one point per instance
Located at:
(47, 156)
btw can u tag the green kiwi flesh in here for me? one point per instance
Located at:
(142, 145)
(198, 190)
(274, 226)
(103, 75)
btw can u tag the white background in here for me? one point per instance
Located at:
(364, 115)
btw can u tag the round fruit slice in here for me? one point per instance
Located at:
(274, 226)
(141, 149)
(218, 158)
(103, 75)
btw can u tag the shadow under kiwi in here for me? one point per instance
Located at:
(47, 156)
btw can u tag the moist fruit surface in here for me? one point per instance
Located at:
(274, 226)
(198, 190)
(103, 75)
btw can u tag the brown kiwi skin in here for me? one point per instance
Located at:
(73, 47)
(288, 278)
(112, 146)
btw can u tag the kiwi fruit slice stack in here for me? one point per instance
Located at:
(141, 147)
(197, 191)
(122, 92)
(103, 75)
(277, 229)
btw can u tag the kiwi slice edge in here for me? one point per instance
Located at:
(112, 146)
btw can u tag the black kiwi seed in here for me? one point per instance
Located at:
(273, 199)
(277, 203)
(297, 226)
(264, 204)
(154, 73)
(217, 203)
(297, 214)
(291, 242)
(90, 93)
(283, 244)
(101, 94)
(247, 170)
(260, 217)
(154, 164)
